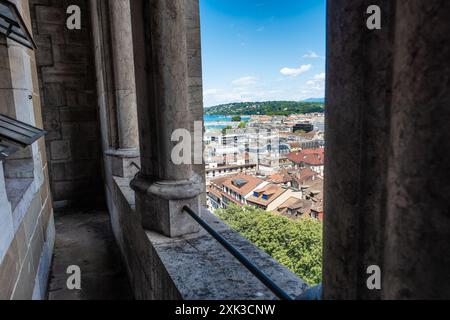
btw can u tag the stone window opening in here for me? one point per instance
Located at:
(361, 204)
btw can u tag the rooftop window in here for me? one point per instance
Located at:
(239, 183)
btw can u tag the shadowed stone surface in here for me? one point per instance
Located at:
(387, 169)
(84, 238)
(68, 97)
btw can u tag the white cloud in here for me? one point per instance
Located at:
(245, 81)
(241, 94)
(296, 71)
(311, 55)
(210, 92)
(320, 77)
(250, 88)
(316, 86)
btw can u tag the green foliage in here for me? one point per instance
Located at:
(296, 244)
(236, 119)
(242, 125)
(224, 130)
(271, 108)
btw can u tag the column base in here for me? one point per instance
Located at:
(125, 163)
(161, 205)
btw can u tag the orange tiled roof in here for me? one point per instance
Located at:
(304, 175)
(271, 190)
(293, 203)
(219, 181)
(280, 177)
(315, 157)
(215, 192)
(251, 183)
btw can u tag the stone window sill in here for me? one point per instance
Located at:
(203, 270)
(197, 267)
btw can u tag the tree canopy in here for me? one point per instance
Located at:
(224, 130)
(271, 108)
(242, 125)
(296, 244)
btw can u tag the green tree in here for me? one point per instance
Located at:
(296, 244)
(242, 125)
(224, 130)
(236, 119)
(266, 108)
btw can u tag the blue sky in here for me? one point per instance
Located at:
(260, 50)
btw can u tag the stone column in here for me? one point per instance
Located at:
(386, 172)
(417, 252)
(163, 187)
(125, 157)
(359, 69)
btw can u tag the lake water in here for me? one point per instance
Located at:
(213, 122)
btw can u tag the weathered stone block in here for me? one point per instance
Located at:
(54, 30)
(45, 218)
(25, 283)
(58, 171)
(44, 56)
(21, 243)
(167, 216)
(125, 167)
(80, 131)
(85, 150)
(60, 150)
(52, 123)
(31, 218)
(37, 243)
(78, 114)
(9, 270)
(19, 168)
(54, 95)
(50, 15)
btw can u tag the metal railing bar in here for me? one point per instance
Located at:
(280, 293)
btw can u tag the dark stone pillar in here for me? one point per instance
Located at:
(359, 75)
(417, 251)
(385, 88)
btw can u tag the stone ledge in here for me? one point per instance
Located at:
(196, 266)
(203, 270)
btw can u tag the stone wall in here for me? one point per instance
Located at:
(26, 214)
(69, 104)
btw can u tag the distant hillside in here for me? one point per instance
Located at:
(316, 100)
(265, 108)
